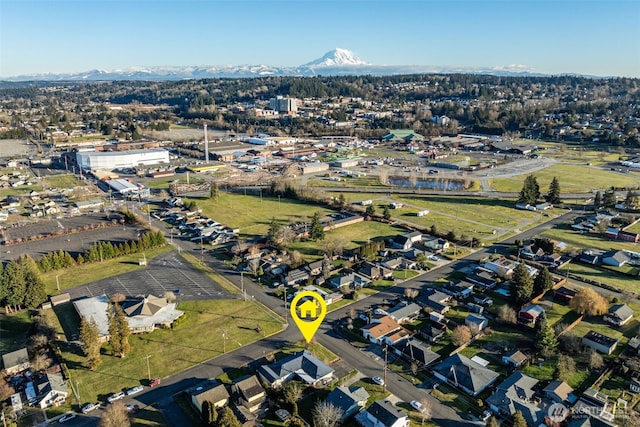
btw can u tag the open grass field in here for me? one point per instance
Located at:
(572, 178)
(608, 277)
(197, 338)
(635, 228)
(253, 214)
(91, 272)
(351, 236)
(13, 331)
(596, 324)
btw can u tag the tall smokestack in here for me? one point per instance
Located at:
(206, 145)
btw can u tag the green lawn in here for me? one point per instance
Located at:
(91, 272)
(585, 240)
(60, 181)
(148, 417)
(597, 324)
(571, 178)
(635, 228)
(197, 338)
(253, 214)
(617, 280)
(13, 331)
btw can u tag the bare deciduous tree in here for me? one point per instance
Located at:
(461, 335)
(326, 415)
(169, 296)
(589, 302)
(507, 315)
(118, 298)
(115, 415)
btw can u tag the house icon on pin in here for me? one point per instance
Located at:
(309, 308)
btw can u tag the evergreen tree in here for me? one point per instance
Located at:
(209, 413)
(518, 420)
(371, 210)
(530, 192)
(274, 232)
(114, 337)
(341, 201)
(89, 336)
(546, 341)
(543, 282)
(553, 196)
(386, 213)
(14, 281)
(228, 418)
(522, 284)
(631, 200)
(317, 231)
(214, 191)
(597, 201)
(609, 199)
(35, 293)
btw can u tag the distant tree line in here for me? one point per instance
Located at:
(100, 251)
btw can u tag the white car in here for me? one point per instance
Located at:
(67, 417)
(134, 390)
(90, 407)
(486, 415)
(116, 396)
(377, 380)
(416, 405)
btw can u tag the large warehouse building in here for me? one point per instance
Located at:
(109, 160)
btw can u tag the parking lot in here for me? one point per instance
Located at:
(165, 273)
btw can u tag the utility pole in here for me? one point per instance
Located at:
(244, 293)
(224, 342)
(384, 374)
(148, 369)
(58, 281)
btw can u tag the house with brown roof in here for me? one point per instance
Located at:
(249, 393)
(210, 390)
(385, 330)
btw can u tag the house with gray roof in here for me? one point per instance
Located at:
(404, 311)
(302, 366)
(599, 342)
(435, 300)
(210, 390)
(348, 400)
(465, 374)
(16, 361)
(349, 281)
(51, 390)
(416, 351)
(618, 314)
(615, 258)
(516, 394)
(375, 272)
(382, 413)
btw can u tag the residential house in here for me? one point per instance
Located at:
(382, 413)
(634, 344)
(618, 314)
(515, 358)
(596, 406)
(385, 330)
(51, 390)
(404, 311)
(209, 390)
(615, 258)
(433, 332)
(564, 294)
(315, 268)
(502, 266)
(559, 392)
(349, 281)
(435, 244)
(434, 300)
(302, 366)
(416, 351)
(516, 393)
(476, 322)
(393, 263)
(529, 314)
(460, 290)
(249, 393)
(531, 252)
(466, 374)
(634, 383)
(589, 257)
(16, 361)
(414, 253)
(600, 342)
(401, 242)
(483, 278)
(295, 277)
(375, 272)
(348, 400)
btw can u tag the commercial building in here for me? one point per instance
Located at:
(94, 160)
(283, 105)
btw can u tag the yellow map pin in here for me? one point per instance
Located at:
(309, 314)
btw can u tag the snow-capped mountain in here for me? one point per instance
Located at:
(336, 58)
(335, 62)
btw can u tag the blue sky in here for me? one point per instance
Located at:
(563, 36)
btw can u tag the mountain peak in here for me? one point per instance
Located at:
(336, 58)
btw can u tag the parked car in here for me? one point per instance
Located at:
(134, 390)
(90, 407)
(416, 405)
(115, 396)
(133, 408)
(154, 382)
(377, 380)
(67, 417)
(486, 415)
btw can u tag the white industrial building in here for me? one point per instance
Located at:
(109, 160)
(283, 105)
